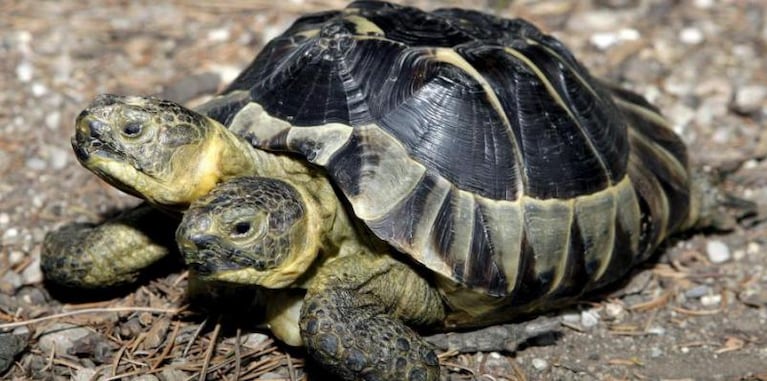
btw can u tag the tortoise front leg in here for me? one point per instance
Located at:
(108, 254)
(353, 320)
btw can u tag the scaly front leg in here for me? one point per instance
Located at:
(109, 254)
(354, 320)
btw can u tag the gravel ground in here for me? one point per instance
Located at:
(698, 311)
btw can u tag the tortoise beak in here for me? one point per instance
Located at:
(87, 140)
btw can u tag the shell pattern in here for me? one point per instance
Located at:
(476, 145)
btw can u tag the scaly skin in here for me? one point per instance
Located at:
(110, 254)
(354, 315)
(359, 299)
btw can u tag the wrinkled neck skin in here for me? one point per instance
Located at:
(334, 232)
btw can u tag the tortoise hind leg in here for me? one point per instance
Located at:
(109, 254)
(712, 207)
(353, 322)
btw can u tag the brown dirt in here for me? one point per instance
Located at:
(681, 316)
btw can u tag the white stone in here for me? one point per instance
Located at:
(691, 36)
(15, 257)
(750, 99)
(540, 364)
(717, 251)
(38, 89)
(589, 319)
(4, 218)
(711, 300)
(253, 340)
(604, 40)
(24, 71)
(219, 35)
(35, 163)
(53, 120)
(629, 34)
(571, 318)
(32, 273)
(10, 235)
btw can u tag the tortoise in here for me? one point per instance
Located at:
(446, 169)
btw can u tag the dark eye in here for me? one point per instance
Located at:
(132, 129)
(241, 228)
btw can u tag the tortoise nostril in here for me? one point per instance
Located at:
(96, 128)
(202, 241)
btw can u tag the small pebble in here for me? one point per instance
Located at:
(84, 374)
(219, 35)
(540, 364)
(53, 120)
(572, 318)
(697, 291)
(31, 296)
(656, 352)
(61, 337)
(656, 330)
(170, 374)
(24, 71)
(614, 310)
(10, 237)
(36, 163)
(32, 273)
(717, 251)
(10, 282)
(750, 99)
(589, 319)
(38, 89)
(711, 300)
(253, 340)
(604, 40)
(15, 257)
(10, 346)
(691, 36)
(629, 34)
(5, 218)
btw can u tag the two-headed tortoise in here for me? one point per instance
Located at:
(443, 169)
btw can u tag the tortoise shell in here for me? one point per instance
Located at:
(477, 145)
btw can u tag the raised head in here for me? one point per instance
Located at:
(154, 149)
(251, 230)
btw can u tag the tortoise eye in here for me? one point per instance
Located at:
(132, 129)
(241, 228)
